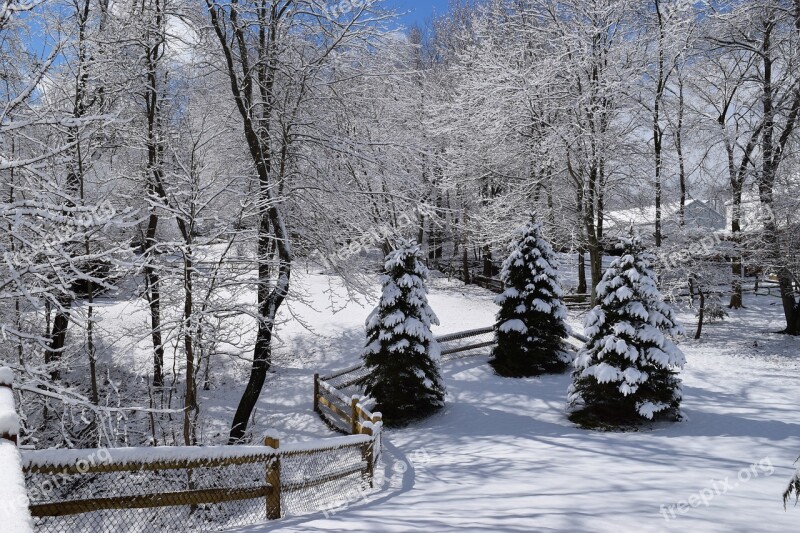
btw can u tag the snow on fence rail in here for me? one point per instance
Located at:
(339, 398)
(196, 488)
(14, 515)
(572, 301)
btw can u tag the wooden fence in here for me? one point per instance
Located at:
(196, 488)
(338, 397)
(493, 284)
(572, 301)
(345, 414)
(212, 476)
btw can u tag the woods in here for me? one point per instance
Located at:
(193, 160)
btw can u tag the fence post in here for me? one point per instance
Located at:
(316, 393)
(368, 456)
(274, 479)
(354, 405)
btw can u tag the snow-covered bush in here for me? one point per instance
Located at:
(401, 353)
(531, 323)
(793, 490)
(627, 372)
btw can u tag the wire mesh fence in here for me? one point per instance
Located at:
(209, 497)
(199, 494)
(466, 343)
(327, 479)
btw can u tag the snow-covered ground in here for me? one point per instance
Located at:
(503, 457)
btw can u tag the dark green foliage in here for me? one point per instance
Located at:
(401, 352)
(792, 490)
(531, 324)
(627, 372)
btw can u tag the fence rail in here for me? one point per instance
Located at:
(572, 301)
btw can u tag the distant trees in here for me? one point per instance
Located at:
(200, 151)
(627, 372)
(56, 222)
(756, 45)
(402, 354)
(531, 323)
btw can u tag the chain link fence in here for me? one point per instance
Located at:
(466, 344)
(216, 493)
(145, 500)
(328, 479)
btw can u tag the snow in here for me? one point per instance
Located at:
(603, 373)
(502, 456)
(14, 515)
(9, 420)
(513, 325)
(6, 376)
(125, 456)
(648, 409)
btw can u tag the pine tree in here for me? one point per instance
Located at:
(531, 322)
(627, 372)
(402, 353)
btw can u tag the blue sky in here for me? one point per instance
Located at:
(418, 10)
(411, 12)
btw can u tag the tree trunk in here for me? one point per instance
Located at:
(155, 150)
(190, 403)
(153, 292)
(596, 265)
(272, 226)
(679, 152)
(772, 156)
(658, 132)
(701, 314)
(582, 288)
(465, 263)
(58, 337)
(488, 265)
(737, 294)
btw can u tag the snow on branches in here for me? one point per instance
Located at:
(627, 372)
(401, 353)
(531, 321)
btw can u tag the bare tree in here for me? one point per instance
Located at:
(259, 39)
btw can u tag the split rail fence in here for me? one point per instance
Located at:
(572, 301)
(339, 398)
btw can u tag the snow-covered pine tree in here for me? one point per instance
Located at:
(531, 323)
(401, 353)
(627, 372)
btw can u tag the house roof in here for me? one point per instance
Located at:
(646, 216)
